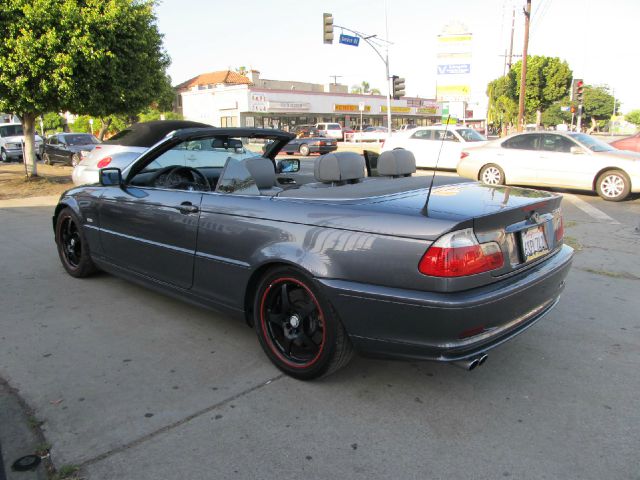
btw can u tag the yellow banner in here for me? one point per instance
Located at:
(454, 38)
(427, 110)
(453, 90)
(349, 108)
(383, 109)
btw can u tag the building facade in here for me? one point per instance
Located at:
(228, 99)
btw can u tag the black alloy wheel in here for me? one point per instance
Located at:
(73, 248)
(75, 160)
(45, 159)
(298, 329)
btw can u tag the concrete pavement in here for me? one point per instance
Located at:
(132, 384)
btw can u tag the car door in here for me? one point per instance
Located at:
(559, 166)
(518, 157)
(419, 143)
(50, 147)
(151, 229)
(446, 148)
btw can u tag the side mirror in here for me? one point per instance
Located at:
(576, 150)
(110, 177)
(288, 165)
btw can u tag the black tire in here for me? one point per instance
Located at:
(491, 174)
(72, 245)
(613, 185)
(45, 159)
(303, 335)
(75, 160)
(3, 155)
(304, 150)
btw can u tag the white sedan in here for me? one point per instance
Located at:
(369, 134)
(554, 159)
(437, 146)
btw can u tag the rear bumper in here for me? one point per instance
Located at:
(446, 327)
(322, 148)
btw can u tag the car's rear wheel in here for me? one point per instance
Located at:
(304, 150)
(492, 174)
(613, 185)
(75, 160)
(298, 328)
(46, 159)
(73, 248)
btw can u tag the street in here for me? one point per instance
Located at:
(132, 384)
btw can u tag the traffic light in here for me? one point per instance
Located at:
(327, 33)
(577, 90)
(398, 87)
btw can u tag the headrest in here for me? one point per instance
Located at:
(339, 166)
(396, 163)
(262, 171)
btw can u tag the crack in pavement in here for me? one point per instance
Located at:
(176, 424)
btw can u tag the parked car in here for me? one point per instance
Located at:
(435, 145)
(324, 268)
(11, 139)
(331, 130)
(308, 145)
(558, 159)
(69, 148)
(631, 143)
(370, 134)
(128, 144)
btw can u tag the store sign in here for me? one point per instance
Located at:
(259, 102)
(350, 108)
(383, 109)
(288, 106)
(454, 69)
(433, 110)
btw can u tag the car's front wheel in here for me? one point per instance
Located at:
(492, 174)
(73, 248)
(3, 155)
(613, 185)
(45, 159)
(297, 327)
(304, 150)
(75, 160)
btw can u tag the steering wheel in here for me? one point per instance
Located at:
(180, 178)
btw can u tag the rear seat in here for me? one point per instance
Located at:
(337, 168)
(396, 163)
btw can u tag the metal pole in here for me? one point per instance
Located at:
(613, 91)
(389, 86)
(513, 26)
(523, 76)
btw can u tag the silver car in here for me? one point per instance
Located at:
(554, 159)
(124, 147)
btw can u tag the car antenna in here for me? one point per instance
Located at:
(433, 177)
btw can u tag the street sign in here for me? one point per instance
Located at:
(565, 109)
(361, 106)
(349, 40)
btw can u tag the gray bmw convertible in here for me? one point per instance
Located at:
(362, 257)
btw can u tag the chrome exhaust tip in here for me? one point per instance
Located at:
(472, 363)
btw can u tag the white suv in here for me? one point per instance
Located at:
(11, 138)
(331, 130)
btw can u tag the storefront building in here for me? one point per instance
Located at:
(227, 99)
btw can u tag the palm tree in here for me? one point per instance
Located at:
(365, 87)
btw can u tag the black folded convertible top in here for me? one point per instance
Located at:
(146, 134)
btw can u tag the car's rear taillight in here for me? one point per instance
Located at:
(458, 254)
(104, 162)
(382, 144)
(463, 154)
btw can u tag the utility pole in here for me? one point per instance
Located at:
(523, 76)
(513, 27)
(335, 78)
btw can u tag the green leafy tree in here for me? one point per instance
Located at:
(548, 81)
(153, 114)
(52, 122)
(598, 106)
(95, 57)
(633, 117)
(554, 115)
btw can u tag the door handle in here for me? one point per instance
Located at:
(187, 207)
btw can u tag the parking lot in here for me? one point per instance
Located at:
(130, 384)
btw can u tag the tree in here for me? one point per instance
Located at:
(548, 81)
(154, 114)
(52, 121)
(356, 89)
(633, 117)
(598, 106)
(554, 116)
(96, 57)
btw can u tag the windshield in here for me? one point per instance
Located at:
(11, 130)
(470, 135)
(591, 143)
(81, 139)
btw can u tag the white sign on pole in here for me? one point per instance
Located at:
(361, 106)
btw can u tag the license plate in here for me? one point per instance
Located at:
(534, 243)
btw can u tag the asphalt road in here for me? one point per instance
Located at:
(134, 385)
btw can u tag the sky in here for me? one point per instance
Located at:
(283, 39)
